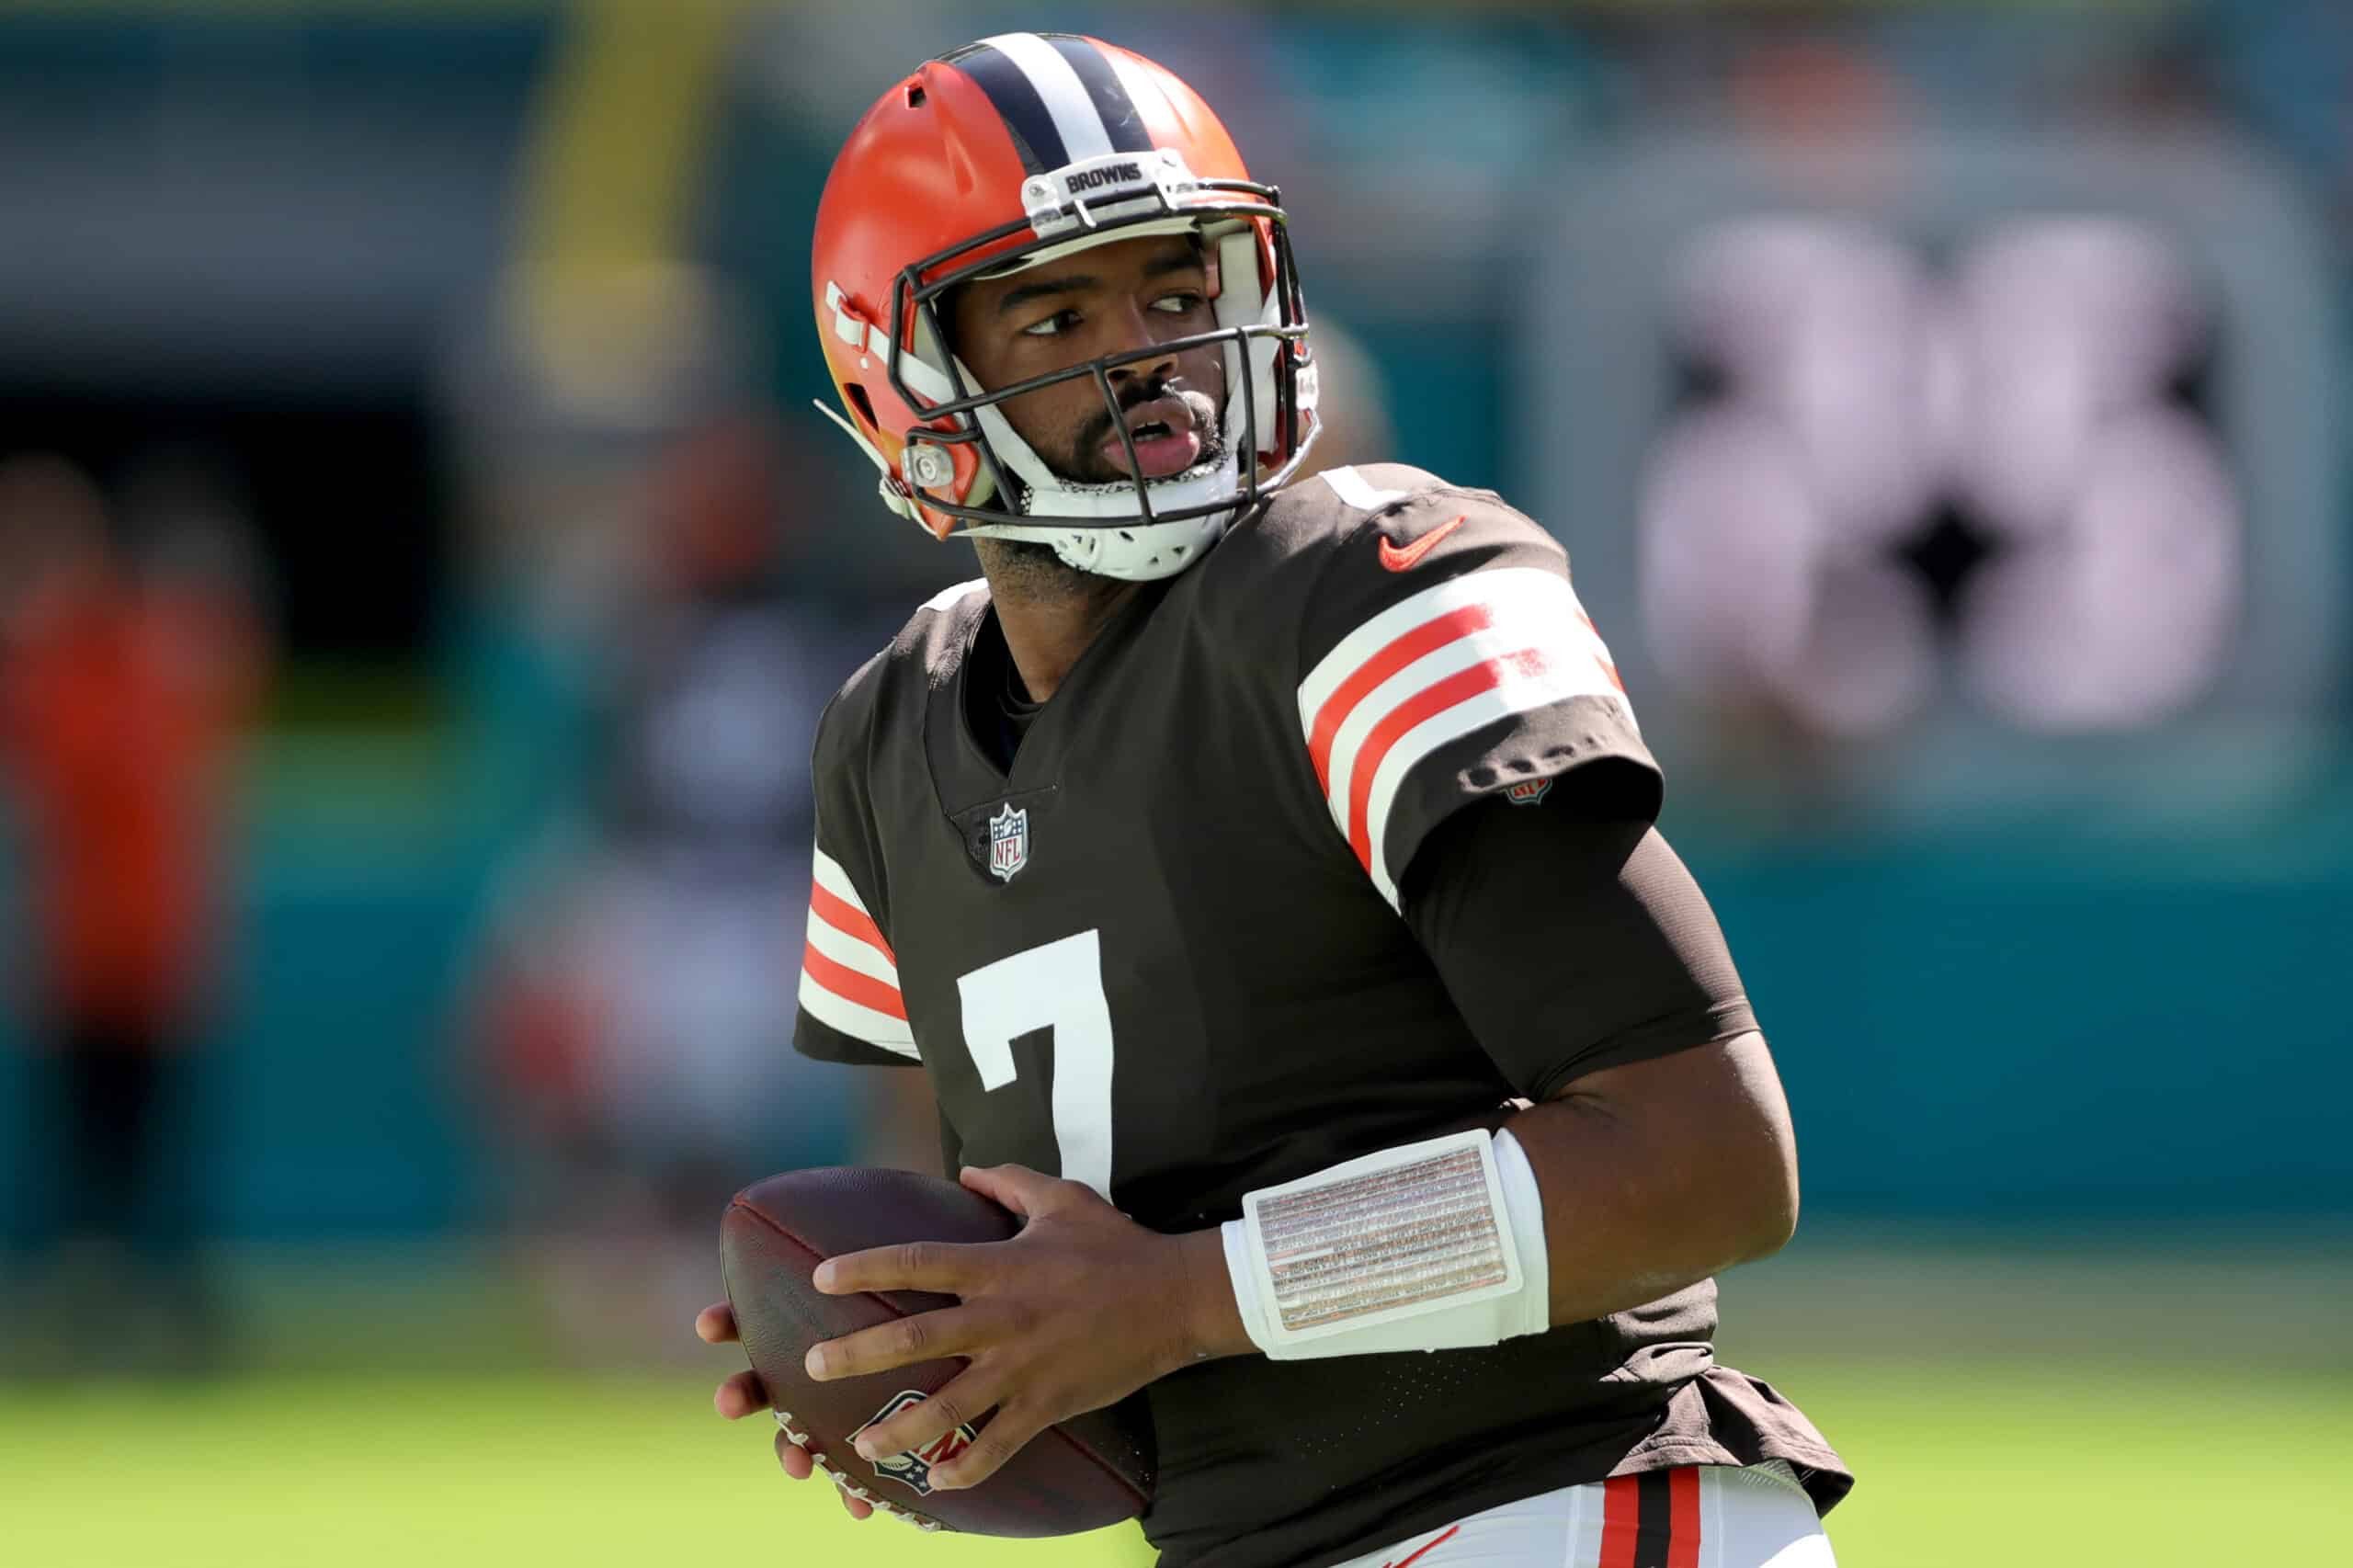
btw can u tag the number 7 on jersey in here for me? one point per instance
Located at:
(1059, 986)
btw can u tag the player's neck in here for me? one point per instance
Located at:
(1050, 614)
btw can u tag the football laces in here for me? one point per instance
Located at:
(848, 1487)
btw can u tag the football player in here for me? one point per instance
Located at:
(1262, 871)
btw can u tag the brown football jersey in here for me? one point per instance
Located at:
(1163, 955)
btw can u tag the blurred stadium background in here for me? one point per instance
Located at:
(1945, 405)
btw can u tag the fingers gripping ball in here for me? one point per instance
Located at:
(1089, 1472)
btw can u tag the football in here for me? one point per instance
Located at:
(1089, 1472)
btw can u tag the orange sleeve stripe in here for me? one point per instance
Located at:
(1456, 688)
(850, 922)
(1426, 638)
(851, 987)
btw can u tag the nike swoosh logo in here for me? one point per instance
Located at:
(1405, 560)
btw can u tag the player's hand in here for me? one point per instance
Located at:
(1077, 1312)
(742, 1395)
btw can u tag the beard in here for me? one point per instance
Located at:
(1030, 569)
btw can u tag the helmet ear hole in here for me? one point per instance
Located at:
(863, 405)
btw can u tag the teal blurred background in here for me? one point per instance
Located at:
(487, 323)
(2010, 970)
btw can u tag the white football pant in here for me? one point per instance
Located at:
(1697, 1516)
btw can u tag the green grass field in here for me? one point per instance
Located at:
(1964, 1465)
(1974, 1449)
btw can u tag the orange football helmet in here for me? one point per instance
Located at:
(999, 155)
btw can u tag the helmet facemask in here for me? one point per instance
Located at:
(1135, 528)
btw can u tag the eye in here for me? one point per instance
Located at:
(1052, 326)
(1184, 303)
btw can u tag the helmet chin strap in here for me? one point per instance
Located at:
(1141, 553)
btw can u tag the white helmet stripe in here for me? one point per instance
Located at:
(1141, 89)
(1065, 96)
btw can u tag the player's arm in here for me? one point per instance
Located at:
(1586, 960)
(1656, 1175)
(1660, 1153)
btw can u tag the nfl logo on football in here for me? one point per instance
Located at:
(1008, 843)
(914, 1469)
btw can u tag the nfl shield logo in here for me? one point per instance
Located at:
(914, 1468)
(1008, 843)
(1529, 792)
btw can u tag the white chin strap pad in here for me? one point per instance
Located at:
(1144, 554)
(1242, 302)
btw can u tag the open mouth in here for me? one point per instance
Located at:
(1167, 440)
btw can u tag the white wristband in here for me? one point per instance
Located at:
(1434, 1245)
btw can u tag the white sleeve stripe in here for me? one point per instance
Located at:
(1507, 638)
(860, 1023)
(830, 876)
(1527, 621)
(1580, 677)
(851, 951)
(1543, 593)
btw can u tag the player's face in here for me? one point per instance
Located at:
(1112, 299)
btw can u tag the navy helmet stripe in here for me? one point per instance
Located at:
(1121, 124)
(1017, 102)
